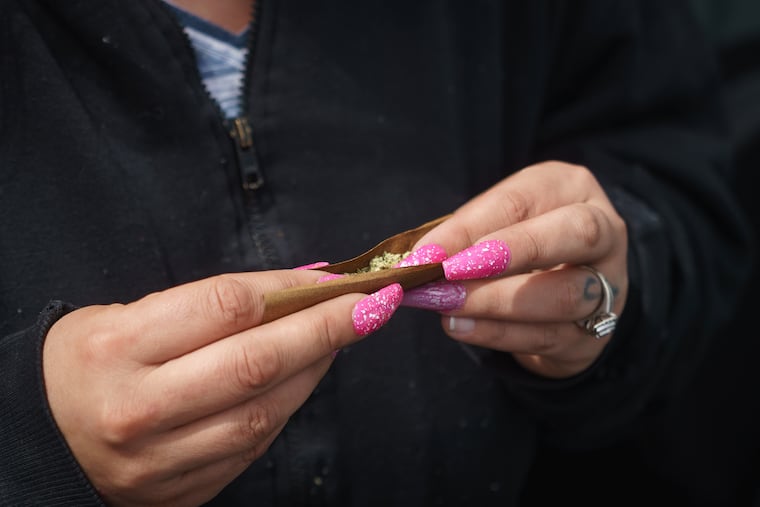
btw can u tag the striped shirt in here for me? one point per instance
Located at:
(221, 57)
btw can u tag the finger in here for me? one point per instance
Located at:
(527, 193)
(240, 367)
(235, 369)
(565, 339)
(243, 431)
(552, 350)
(517, 337)
(187, 488)
(206, 482)
(560, 295)
(171, 323)
(574, 234)
(199, 485)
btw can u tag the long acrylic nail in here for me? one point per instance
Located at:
(442, 296)
(328, 277)
(314, 265)
(478, 261)
(426, 254)
(373, 311)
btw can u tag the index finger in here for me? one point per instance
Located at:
(171, 323)
(237, 368)
(525, 194)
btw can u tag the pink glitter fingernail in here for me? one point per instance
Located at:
(437, 296)
(478, 261)
(315, 265)
(426, 254)
(331, 276)
(372, 312)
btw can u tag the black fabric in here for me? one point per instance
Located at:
(118, 178)
(702, 447)
(31, 447)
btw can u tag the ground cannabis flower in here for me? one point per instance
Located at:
(386, 260)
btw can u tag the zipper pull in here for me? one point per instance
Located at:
(240, 131)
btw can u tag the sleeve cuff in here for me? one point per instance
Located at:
(36, 465)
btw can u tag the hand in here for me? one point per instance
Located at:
(167, 399)
(554, 217)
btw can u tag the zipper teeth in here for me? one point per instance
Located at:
(245, 83)
(254, 220)
(256, 228)
(191, 50)
(247, 76)
(237, 128)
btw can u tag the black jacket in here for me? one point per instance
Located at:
(118, 177)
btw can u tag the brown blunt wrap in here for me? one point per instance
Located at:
(398, 244)
(287, 301)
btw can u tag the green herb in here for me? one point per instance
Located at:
(386, 260)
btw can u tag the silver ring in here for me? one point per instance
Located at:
(603, 320)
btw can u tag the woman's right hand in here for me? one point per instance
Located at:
(167, 399)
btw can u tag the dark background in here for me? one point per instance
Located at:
(704, 450)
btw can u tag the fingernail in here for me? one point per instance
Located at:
(373, 311)
(331, 276)
(461, 325)
(426, 254)
(478, 261)
(335, 353)
(314, 265)
(437, 296)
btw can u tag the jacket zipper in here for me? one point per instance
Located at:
(239, 128)
(247, 162)
(252, 175)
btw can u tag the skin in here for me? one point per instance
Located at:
(165, 400)
(232, 15)
(554, 216)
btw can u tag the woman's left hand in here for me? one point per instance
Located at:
(555, 218)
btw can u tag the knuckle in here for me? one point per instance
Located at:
(533, 250)
(254, 370)
(588, 224)
(258, 424)
(547, 340)
(517, 205)
(229, 300)
(104, 340)
(115, 427)
(132, 475)
(582, 174)
(122, 423)
(99, 347)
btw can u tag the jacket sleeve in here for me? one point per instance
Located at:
(633, 94)
(36, 465)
